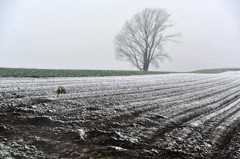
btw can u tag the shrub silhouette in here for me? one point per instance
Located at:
(61, 90)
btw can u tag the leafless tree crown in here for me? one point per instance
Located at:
(142, 37)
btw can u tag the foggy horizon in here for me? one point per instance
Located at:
(73, 34)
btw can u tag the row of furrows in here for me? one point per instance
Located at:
(173, 109)
(171, 92)
(134, 94)
(208, 98)
(125, 99)
(101, 86)
(144, 88)
(213, 118)
(159, 129)
(209, 121)
(48, 93)
(225, 127)
(144, 85)
(147, 93)
(122, 108)
(136, 112)
(226, 96)
(153, 98)
(167, 105)
(182, 117)
(90, 88)
(29, 82)
(133, 106)
(168, 123)
(223, 133)
(166, 89)
(175, 121)
(37, 84)
(179, 100)
(230, 147)
(214, 127)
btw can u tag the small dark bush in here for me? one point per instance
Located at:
(61, 90)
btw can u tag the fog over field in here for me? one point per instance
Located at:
(78, 34)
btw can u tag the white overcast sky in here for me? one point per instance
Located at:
(78, 34)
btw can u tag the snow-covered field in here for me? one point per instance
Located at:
(150, 116)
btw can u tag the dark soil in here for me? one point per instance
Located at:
(137, 119)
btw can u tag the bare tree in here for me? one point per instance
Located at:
(142, 37)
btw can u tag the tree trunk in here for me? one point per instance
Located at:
(145, 66)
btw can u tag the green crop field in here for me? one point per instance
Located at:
(37, 73)
(25, 72)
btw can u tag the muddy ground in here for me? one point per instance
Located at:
(183, 116)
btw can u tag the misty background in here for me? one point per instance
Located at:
(78, 34)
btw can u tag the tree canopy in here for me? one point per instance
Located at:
(142, 38)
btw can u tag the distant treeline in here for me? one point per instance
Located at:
(26, 72)
(218, 70)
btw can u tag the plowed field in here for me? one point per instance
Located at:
(152, 116)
